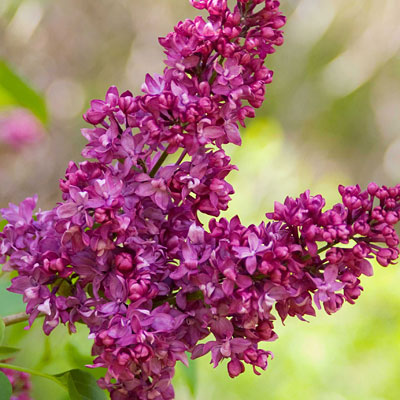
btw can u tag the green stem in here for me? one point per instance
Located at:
(213, 77)
(181, 157)
(33, 372)
(171, 299)
(160, 161)
(322, 249)
(327, 247)
(16, 318)
(143, 165)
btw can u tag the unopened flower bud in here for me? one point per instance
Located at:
(123, 262)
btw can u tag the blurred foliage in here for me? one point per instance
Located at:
(188, 375)
(14, 91)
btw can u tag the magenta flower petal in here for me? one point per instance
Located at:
(67, 210)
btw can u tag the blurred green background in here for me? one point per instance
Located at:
(331, 116)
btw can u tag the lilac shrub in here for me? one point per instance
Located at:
(125, 252)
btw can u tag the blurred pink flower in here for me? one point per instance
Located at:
(19, 128)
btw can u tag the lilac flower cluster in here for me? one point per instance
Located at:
(125, 252)
(20, 382)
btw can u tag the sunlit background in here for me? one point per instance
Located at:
(332, 116)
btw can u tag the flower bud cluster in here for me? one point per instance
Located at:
(125, 251)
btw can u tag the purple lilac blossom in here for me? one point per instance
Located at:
(125, 252)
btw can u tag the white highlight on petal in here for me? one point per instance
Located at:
(45, 307)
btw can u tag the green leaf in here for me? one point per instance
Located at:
(2, 330)
(3, 223)
(75, 357)
(190, 376)
(81, 385)
(7, 352)
(5, 387)
(16, 91)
